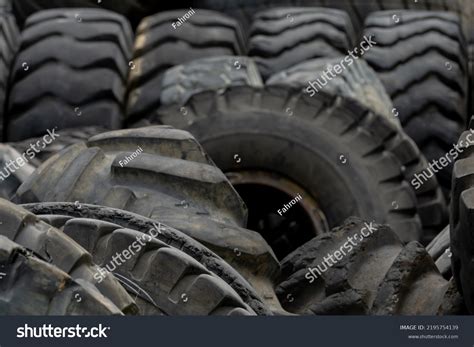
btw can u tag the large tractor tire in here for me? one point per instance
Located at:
(244, 10)
(275, 143)
(70, 72)
(170, 281)
(134, 10)
(160, 46)
(363, 268)
(50, 244)
(160, 173)
(421, 59)
(283, 37)
(59, 214)
(359, 83)
(32, 286)
(9, 37)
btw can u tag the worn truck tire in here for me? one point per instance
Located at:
(72, 66)
(461, 220)
(9, 37)
(134, 10)
(32, 286)
(61, 251)
(277, 129)
(222, 120)
(421, 59)
(358, 82)
(170, 281)
(159, 46)
(283, 37)
(167, 177)
(374, 273)
(168, 235)
(244, 10)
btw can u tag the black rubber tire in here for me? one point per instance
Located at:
(173, 181)
(357, 9)
(134, 10)
(374, 275)
(77, 63)
(461, 220)
(10, 180)
(67, 138)
(159, 46)
(360, 84)
(61, 251)
(176, 283)
(441, 253)
(283, 37)
(9, 41)
(256, 124)
(31, 286)
(422, 61)
(357, 82)
(168, 235)
(179, 83)
(174, 172)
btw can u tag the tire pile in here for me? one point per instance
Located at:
(169, 183)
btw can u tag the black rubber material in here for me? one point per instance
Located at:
(169, 178)
(283, 37)
(363, 268)
(67, 138)
(274, 130)
(461, 220)
(179, 83)
(358, 82)
(72, 66)
(439, 250)
(175, 175)
(168, 235)
(159, 46)
(61, 251)
(134, 10)
(31, 286)
(9, 37)
(11, 179)
(357, 9)
(421, 59)
(173, 283)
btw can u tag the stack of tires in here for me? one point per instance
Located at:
(204, 159)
